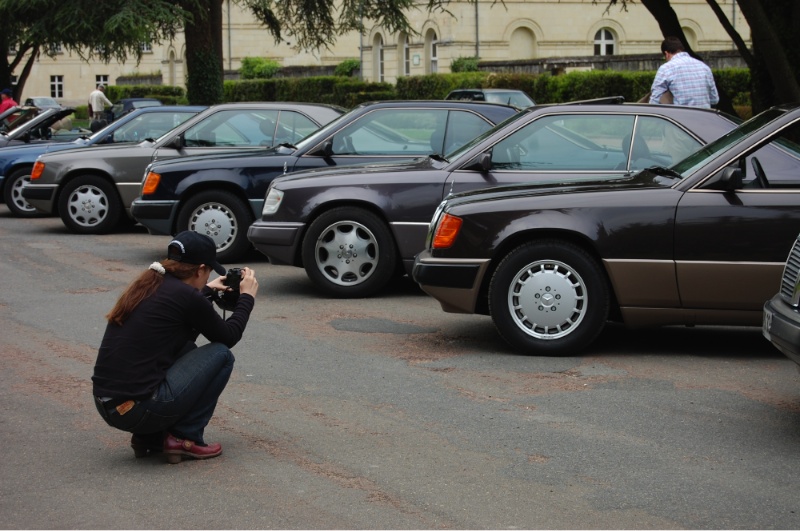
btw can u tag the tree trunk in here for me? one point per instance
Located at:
(204, 55)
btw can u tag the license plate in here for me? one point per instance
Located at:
(766, 325)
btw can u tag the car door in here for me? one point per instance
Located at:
(731, 245)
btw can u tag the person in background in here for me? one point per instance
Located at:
(7, 99)
(688, 80)
(98, 102)
(150, 378)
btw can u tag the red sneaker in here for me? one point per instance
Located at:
(175, 448)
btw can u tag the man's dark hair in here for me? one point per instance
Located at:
(672, 45)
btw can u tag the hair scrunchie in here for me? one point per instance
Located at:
(158, 268)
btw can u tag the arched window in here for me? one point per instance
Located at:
(522, 44)
(604, 42)
(432, 53)
(691, 37)
(377, 58)
(405, 55)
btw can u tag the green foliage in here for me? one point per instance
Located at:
(347, 68)
(437, 86)
(464, 64)
(259, 68)
(334, 90)
(165, 93)
(736, 82)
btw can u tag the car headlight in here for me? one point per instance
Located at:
(272, 202)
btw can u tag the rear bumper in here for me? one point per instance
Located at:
(40, 196)
(157, 216)
(781, 325)
(454, 283)
(278, 241)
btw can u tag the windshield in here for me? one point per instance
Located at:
(700, 158)
(319, 134)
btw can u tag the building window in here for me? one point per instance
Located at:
(55, 49)
(432, 45)
(377, 58)
(604, 42)
(406, 58)
(146, 47)
(56, 86)
(101, 80)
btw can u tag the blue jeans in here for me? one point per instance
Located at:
(184, 401)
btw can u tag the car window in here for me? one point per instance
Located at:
(658, 142)
(292, 127)
(462, 127)
(516, 99)
(235, 127)
(150, 125)
(779, 159)
(566, 142)
(393, 132)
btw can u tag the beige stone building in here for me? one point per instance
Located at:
(492, 31)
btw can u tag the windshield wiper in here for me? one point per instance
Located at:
(660, 170)
(436, 156)
(287, 145)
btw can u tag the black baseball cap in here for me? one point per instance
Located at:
(192, 247)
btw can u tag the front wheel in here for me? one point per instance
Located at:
(89, 205)
(222, 216)
(349, 253)
(549, 298)
(12, 194)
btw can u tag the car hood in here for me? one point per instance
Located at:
(211, 161)
(418, 164)
(609, 183)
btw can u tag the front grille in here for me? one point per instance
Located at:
(791, 276)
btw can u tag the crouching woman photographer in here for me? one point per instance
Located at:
(150, 378)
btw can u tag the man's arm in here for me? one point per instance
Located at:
(660, 85)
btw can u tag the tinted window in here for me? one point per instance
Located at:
(566, 142)
(151, 125)
(461, 128)
(234, 128)
(292, 127)
(393, 132)
(658, 142)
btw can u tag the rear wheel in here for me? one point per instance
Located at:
(349, 252)
(12, 194)
(89, 205)
(222, 216)
(549, 298)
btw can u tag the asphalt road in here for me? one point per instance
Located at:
(387, 413)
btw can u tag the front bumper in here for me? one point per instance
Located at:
(157, 216)
(455, 283)
(781, 325)
(41, 196)
(278, 241)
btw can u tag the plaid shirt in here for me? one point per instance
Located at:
(690, 81)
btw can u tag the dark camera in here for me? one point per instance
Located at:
(233, 278)
(227, 299)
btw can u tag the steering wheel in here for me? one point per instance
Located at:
(760, 177)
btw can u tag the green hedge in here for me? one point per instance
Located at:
(348, 92)
(168, 95)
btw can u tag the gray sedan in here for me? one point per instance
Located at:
(92, 193)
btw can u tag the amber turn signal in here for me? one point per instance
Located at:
(151, 183)
(446, 232)
(37, 170)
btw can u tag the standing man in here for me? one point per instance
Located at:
(7, 100)
(98, 102)
(690, 81)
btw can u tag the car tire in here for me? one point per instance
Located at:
(349, 253)
(89, 205)
(12, 194)
(222, 216)
(549, 298)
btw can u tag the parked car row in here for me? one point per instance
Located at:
(553, 220)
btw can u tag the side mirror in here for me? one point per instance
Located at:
(730, 178)
(481, 162)
(176, 143)
(326, 150)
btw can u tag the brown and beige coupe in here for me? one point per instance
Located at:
(701, 242)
